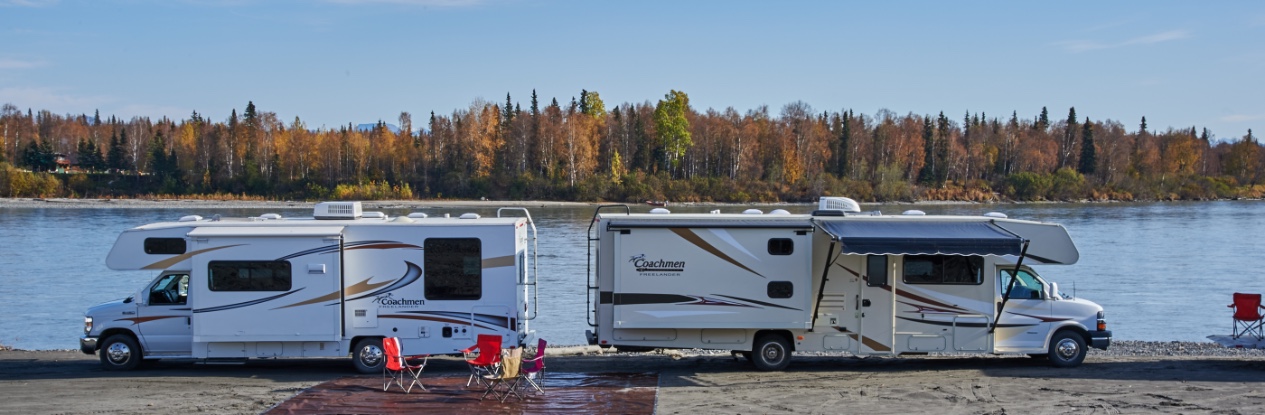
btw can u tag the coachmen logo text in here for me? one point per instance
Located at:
(389, 300)
(657, 267)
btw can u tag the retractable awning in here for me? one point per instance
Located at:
(921, 237)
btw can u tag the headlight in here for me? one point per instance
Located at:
(87, 324)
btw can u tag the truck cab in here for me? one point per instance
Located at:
(157, 319)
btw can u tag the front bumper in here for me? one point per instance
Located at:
(88, 345)
(1100, 339)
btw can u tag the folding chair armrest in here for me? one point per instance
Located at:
(469, 349)
(534, 359)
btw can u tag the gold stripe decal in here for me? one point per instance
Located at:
(178, 258)
(698, 241)
(500, 261)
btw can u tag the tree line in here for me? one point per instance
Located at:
(665, 150)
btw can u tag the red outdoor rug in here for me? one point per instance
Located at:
(565, 393)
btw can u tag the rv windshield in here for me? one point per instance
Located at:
(1027, 284)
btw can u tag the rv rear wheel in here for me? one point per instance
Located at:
(1067, 349)
(771, 352)
(120, 352)
(368, 356)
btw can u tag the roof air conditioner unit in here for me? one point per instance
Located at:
(337, 210)
(839, 203)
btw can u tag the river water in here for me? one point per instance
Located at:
(1163, 271)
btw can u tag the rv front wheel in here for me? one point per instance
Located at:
(771, 352)
(120, 352)
(1067, 349)
(368, 356)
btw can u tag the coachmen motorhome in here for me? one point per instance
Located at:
(838, 280)
(332, 285)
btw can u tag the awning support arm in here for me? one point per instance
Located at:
(1014, 274)
(821, 291)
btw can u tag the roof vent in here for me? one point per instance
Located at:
(337, 210)
(660, 211)
(418, 215)
(995, 215)
(270, 216)
(779, 212)
(838, 203)
(753, 212)
(715, 211)
(914, 212)
(402, 219)
(374, 215)
(190, 218)
(469, 216)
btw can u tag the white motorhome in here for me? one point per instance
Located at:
(838, 280)
(327, 286)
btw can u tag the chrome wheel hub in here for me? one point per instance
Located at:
(118, 353)
(1067, 349)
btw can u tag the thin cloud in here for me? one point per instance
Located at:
(19, 64)
(424, 3)
(40, 97)
(1078, 46)
(27, 3)
(1242, 117)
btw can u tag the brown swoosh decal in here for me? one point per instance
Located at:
(439, 319)
(176, 259)
(356, 288)
(699, 242)
(871, 343)
(501, 261)
(139, 320)
(381, 246)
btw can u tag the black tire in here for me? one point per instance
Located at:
(368, 356)
(120, 352)
(1067, 349)
(771, 352)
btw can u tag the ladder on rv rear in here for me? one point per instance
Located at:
(591, 294)
(528, 281)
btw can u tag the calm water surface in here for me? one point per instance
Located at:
(1163, 271)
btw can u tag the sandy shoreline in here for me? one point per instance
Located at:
(1184, 381)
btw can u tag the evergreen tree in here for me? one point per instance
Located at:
(96, 118)
(1043, 121)
(1089, 155)
(1142, 128)
(114, 154)
(584, 101)
(1069, 140)
(927, 175)
(845, 133)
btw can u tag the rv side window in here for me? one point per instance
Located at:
(454, 268)
(1027, 286)
(164, 246)
(781, 246)
(249, 275)
(943, 269)
(781, 289)
(876, 270)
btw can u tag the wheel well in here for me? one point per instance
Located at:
(1074, 329)
(106, 334)
(351, 347)
(786, 334)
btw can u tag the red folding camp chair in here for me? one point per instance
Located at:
(1247, 315)
(485, 362)
(397, 369)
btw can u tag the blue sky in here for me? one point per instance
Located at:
(1180, 64)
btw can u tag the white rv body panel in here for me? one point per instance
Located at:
(286, 287)
(868, 285)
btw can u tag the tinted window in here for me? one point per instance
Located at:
(943, 269)
(454, 268)
(876, 270)
(164, 246)
(249, 275)
(781, 246)
(781, 289)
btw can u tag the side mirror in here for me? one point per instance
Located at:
(1054, 291)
